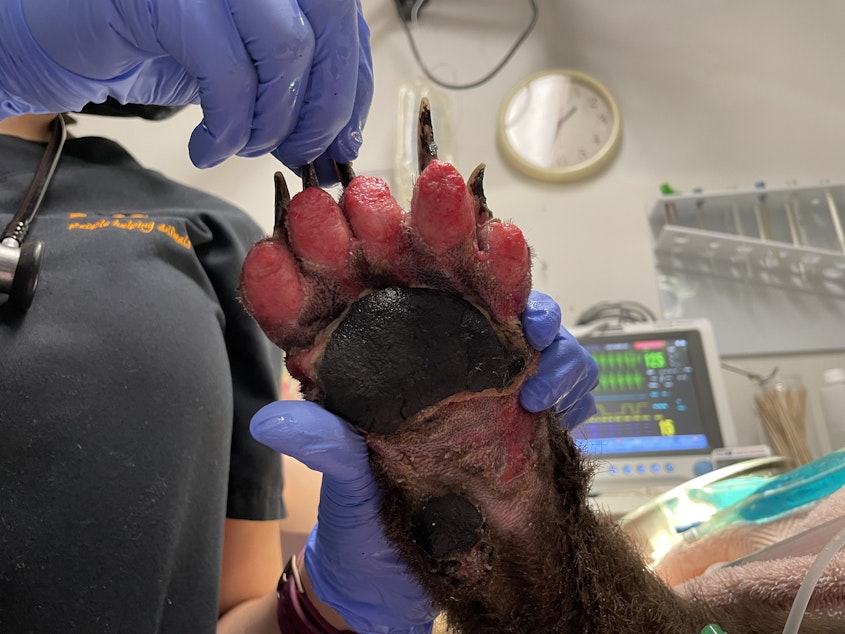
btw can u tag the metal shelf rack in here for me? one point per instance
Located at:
(752, 260)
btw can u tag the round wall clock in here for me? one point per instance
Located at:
(559, 125)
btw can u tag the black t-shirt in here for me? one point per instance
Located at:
(126, 392)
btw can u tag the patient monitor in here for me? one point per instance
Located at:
(662, 408)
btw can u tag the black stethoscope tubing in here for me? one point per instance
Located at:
(20, 263)
(17, 229)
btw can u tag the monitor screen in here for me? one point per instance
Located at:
(661, 404)
(653, 396)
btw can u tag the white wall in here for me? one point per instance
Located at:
(714, 94)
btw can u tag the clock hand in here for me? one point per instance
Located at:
(565, 117)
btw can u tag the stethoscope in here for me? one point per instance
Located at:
(20, 262)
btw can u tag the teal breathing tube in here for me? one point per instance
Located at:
(781, 495)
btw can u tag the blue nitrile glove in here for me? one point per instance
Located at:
(281, 76)
(566, 374)
(352, 566)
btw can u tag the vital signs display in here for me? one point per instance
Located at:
(661, 407)
(646, 397)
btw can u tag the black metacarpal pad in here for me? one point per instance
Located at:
(400, 350)
(447, 526)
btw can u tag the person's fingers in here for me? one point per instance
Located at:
(579, 412)
(566, 372)
(315, 437)
(557, 376)
(207, 44)
(578, 404)
(332, 84)
(345, 147)
(541, 320)
(349, 496)
(173, 87)
(280, 41)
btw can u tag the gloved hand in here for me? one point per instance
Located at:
(566, 374)
(281, 76)
(352, 566)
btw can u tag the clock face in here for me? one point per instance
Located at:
(559, 125)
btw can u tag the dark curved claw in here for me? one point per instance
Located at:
(476, 188)
(344, 173)
(309, 176)
(282, 207)
(426, 146)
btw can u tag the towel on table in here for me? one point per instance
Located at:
(697, 568)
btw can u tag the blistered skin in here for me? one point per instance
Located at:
(407, 324)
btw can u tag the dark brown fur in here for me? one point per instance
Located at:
(577, 574)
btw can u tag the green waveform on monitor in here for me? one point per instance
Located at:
(630, 360)
(621, 381)
(619, 360)
(630, 412)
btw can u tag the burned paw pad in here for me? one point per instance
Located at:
(400, 350)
